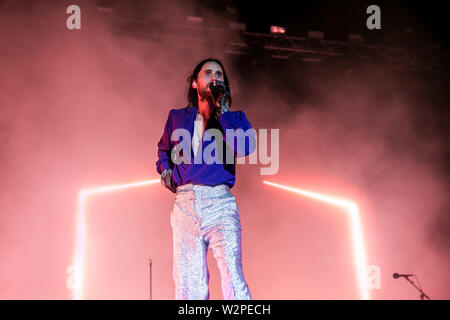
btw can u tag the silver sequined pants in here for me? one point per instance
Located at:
(203, 217)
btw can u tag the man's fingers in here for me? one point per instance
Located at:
(164, 181)
(169, 181)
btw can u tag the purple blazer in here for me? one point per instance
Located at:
(203, 169)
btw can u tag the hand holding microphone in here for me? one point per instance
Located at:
(220, 96)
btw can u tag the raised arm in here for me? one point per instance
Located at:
(243, 137)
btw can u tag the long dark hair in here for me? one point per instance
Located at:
(192, 93)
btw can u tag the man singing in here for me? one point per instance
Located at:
(205, 213)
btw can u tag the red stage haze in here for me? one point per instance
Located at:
(85, 108)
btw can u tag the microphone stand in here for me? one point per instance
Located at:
(150, 262)
(422, 294)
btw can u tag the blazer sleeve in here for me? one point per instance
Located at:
(165, 147)
(242, 142)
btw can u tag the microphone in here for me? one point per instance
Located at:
(217, 88)
(398, 275)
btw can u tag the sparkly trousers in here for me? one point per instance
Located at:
(203, 217)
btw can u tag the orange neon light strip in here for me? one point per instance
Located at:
(349, 206)
(358, 245)
(80, 243)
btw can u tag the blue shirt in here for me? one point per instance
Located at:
(212, 174)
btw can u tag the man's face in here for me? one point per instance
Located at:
(210, 72)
